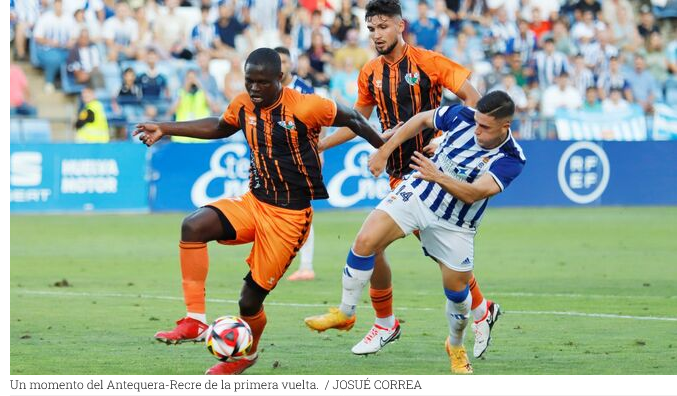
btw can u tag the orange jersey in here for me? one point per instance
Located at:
(404, 88)
(285, 164)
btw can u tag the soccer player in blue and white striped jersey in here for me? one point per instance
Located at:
(444, 198)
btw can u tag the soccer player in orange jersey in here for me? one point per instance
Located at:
(281, 126)
(402, 82)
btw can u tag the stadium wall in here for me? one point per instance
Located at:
(181, 177)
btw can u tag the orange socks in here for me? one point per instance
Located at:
(194, 267)
(477, 296)
(257, 323)
(382, 301)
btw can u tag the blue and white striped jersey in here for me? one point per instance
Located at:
(460, 156)
(300, 85)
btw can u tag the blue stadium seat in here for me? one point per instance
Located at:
(68, 84)
(29, 130)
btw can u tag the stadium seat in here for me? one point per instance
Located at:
(29, 130)
(68, 84)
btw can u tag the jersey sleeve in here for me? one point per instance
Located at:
(445, 116)
(448, 73)
(364, 97)
(230, 116)
(316, 111)
(505, 169)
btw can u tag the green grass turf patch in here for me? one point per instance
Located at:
(547, 268)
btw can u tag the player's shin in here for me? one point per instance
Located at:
(194, 267)
(458, 310)
(257, 323)
(356, 275)
(479, 304)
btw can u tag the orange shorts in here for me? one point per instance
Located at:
(277, 233)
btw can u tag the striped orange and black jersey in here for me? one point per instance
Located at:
(404, 88)
(285, 163)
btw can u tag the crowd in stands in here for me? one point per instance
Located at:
(173, 59)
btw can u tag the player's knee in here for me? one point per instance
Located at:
(364, 245)
(191, 230)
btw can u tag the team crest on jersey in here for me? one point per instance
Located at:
(378, 84)
(251, 120)
(288, 125)
(412, 78)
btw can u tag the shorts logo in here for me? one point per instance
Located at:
(583, 172)
(412, 78)
(286, 125)
(467, 261)
(406, 195)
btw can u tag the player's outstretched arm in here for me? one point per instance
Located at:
(343, 135)
(351, 118)
(481, 188)
(468, 94)
(403, 132)
(205, 128)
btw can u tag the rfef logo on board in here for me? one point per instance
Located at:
(583, 172)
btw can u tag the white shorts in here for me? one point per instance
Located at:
(451, 245)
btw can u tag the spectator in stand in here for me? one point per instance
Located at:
(587, 27)
(227, 29)
(26, 14)
(624, 32)
(93, 27)
(582, 75)
(208, 82)
(584, 6)
(612, 78)
(475, 11)
(647, 22)
(562, 39)
(170, 32)
(645, 88)
(516, 69)
(305, 71)
(524, 44)
(204, 33)
(656, 59)
(561, 95)
(343, 83)
(145, 27)
(84, 62)
(301, 30)
(128, 100)
(498, 71)
(539, 25)
(121, 33)
(353, 50)
(345, 20)
(441, 12)
(19, 93)
(153, 84)
(317, 27)
(285, 16)
(549, 64)
(320, 58)
(615, 103)
(516, 93)
(671, 55)
(92, 124)
(234, 80)
(610, 11)
(501, 31)
(427, 32)
(54, 35)
(592, 102)
(548, 8)
(453, 9)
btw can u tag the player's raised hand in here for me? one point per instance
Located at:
(377, 162)
(149, 133)
(426, 169)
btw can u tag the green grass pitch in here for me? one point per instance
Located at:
(585, 291)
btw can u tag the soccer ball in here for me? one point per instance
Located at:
(229, 337)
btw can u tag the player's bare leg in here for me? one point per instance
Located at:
(197, 229)
(377, 232)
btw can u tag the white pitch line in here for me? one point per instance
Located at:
(218, 300)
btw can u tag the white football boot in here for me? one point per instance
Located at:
(377, 338)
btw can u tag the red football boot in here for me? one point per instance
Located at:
(187, 329)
